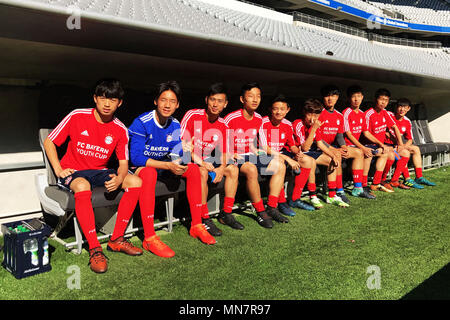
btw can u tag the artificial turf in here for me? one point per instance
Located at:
(323, 254)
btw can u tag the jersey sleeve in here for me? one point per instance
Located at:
(298, 134)
(62, 130)
(341, 124)
(290, 136)
(138, 136)
(389, 121)
(262, 137)
(175, 146)
(408, 132)
(122, 146)
(186, 127)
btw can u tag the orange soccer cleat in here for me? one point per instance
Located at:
(125, 246)
(199, 231)
(156, 246)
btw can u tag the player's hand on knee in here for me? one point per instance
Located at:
(65, 173)
(114, 183)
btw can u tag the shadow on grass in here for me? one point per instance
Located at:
(434, 288)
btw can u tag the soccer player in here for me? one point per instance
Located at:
(308, 135)
(207, 130)
(94, 134)
(156, 152)
(333, 134)
(402, 107)
(354, 125)
(277, 139)
(377, 121)
(244, 125)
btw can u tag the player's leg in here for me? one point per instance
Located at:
(151, 242)
(392, 156)
(85, 216)
(278, 169)
(307, 165)
(380, 165)
(206, 220)
(360, 170)
(231, 174)
(194, 196)
(332, 197)
(132, 186)
(417, 161)
(254, 192)
(402, 164)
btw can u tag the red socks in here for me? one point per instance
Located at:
(147, 200)
(85, 217)
(300, 181)
(401, 165)
(387, 167)
(125, 211)
(205, 211)
(259, 206)
(272, 201)
(194, 192)
(228, 204)
(311, 189)
(357, 178)
(364, 181)
(331, 188)
(377, 177)
(418, 172)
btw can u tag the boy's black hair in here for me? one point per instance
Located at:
(171, 85)
(280, 98)
(217, 88)
(330, 90)
(403, 102)
(109, 88)
(249, 86)
(354, 89)
(382, 92)
(311, 106)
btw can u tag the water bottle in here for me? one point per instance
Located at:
(212, 175)
(31, 245)
(45, 258)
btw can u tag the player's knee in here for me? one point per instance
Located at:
(307, 162)
(358, 153)
(405, 153)
(80, 184)
(203, 174)
(132, 181)
(231, 172)
(250, 170)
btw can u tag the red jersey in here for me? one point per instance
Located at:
(277, 138)
(301, 133)
(333, 123)
(377, 123)
(355, 123)
(207, 136)
(243, 132)
(91, 143)
(404, 125)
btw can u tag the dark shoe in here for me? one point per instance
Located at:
(125, 246)
(264, 219)
(285, 209)
(343, 197)
(211, 227)
(229, 220)
(97, 260)
(300, 204)
(276, 215)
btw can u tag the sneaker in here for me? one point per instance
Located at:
(387, 185)
(264, 219)
(369, 192)
(316, 203)
(362, 193)
(424, 181)
(379, 187)
(343, 197)
(229, 220)
(286, 209)
(123, 245)
(199, 232)
(301, 204)
(336, 200)
(211, 227)
(97, 260)
(398, 184)
(156, 246)
(276, 215)
(411, 183)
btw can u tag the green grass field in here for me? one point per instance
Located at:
(319, 255)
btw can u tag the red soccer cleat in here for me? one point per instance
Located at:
(199, 231)
(156, 246)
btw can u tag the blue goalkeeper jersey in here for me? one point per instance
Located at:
(148, 139)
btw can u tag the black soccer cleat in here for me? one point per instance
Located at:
(264, 219)
(276, 215)
(211, 227)
(229, 220)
